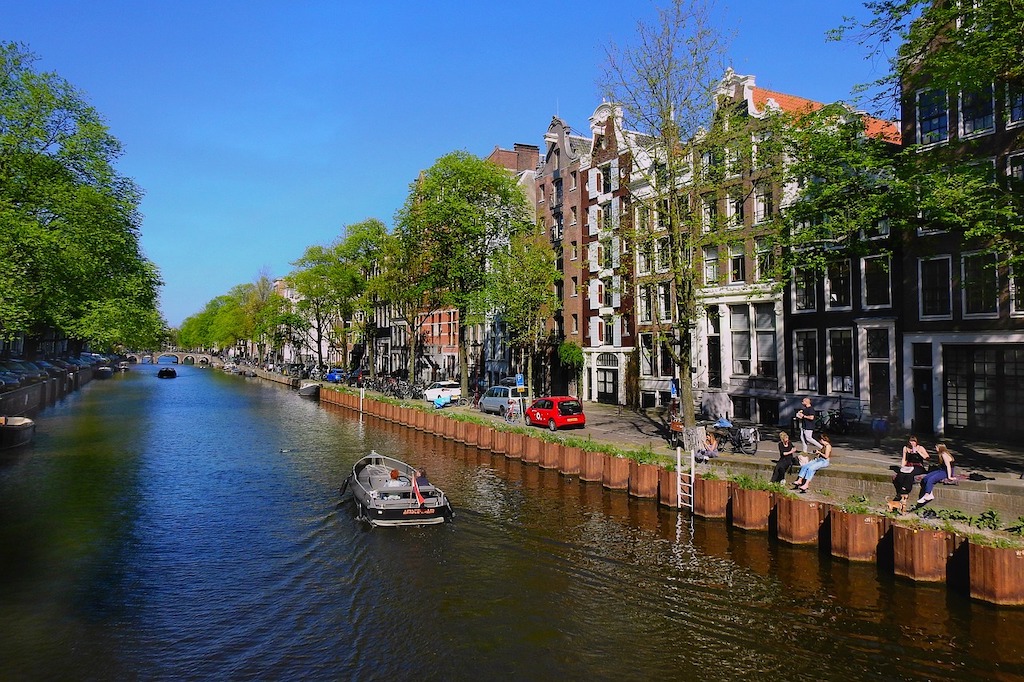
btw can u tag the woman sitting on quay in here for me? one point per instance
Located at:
(945, 471)
(808, 470)
(787, 452)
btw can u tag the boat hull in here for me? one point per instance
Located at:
(310, 390)
(16, 432)
(379, 504)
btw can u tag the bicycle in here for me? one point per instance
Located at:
(512, 413)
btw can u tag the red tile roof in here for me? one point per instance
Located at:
(874, 127)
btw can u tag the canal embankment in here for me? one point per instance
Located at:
(838, 518)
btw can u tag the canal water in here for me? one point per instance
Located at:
(191, 529)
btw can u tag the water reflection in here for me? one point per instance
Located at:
(192, 529)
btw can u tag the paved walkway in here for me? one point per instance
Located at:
(620, 426)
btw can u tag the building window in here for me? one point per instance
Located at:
(575, 291)
(837, 285)
(1015, 172)
(665, 301)
(606, 254)
(714, 347)
(710, 265)
(606, 179)
(977, 112)
(763, 207)
(932, 117)
(737, 264)
(645, 303)
(739, 327)
(765, 257)
(735, 207)
(764, 327)
(608, 296)
(646, 355)
(572, 180)
(804, 290)
(664, 254)
(609, 332)
(879, 230)
(806, 360)
(980, 284)
(936, 292)
(710, 213)
(666, 365)
(645, 255)
(540, 198)
(1015, 104)
(840, 348)
(1016, 294)
(877, 286)
(574, 214)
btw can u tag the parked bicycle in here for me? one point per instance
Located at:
(742, 438)
(512, 414)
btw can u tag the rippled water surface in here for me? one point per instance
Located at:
(191, 529)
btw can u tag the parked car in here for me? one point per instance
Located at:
(452, 389)
(556, 412)
(358, 376)
(498, 398)
(336, 375)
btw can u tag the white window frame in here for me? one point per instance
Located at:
(963, 284)
(763, 254)
(737, 250)
(711, 259)
(734, 206)
(812, 379)
(849, 292)
(917, 118)
(664, 293)
(1012, 287)
(1017, 156)
(1010, 92)
(709, 212)
(762, 204)
(829, 373)
(980, 131)
(920, 288)
(803, 311)
(864, 283)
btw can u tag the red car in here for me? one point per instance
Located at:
(556, 412)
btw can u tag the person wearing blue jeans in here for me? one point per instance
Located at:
(808, 470)
(944, 471)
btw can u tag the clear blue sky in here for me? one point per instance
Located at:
(257, 128)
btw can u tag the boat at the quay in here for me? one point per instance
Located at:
(16, 432)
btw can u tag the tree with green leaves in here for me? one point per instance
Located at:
(70, 257)
(665, 84)
(970, 50)
(458, 212)
(521, 292)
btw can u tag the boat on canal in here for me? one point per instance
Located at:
(102, 372)
(123, 366)
(16, 432)
(166, 373)
(309, 388)
(387, 493)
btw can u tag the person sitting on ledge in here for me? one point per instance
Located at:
(787, 451)
(941, 473)
(710, 449)
(808, 470)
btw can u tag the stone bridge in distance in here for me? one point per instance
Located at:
(180, 357)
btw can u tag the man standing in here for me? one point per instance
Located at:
(806, 417)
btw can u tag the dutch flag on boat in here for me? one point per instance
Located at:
(416, 490)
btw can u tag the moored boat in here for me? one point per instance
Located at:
(102, 372)
(16, 431)
(123, 366)
(309, 389)
(387, 493)
(167, 373)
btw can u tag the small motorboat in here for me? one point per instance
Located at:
(309, 388)
(102, 372)
(166, 373)
(123, 366)
(385, 499)
(16, 431)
